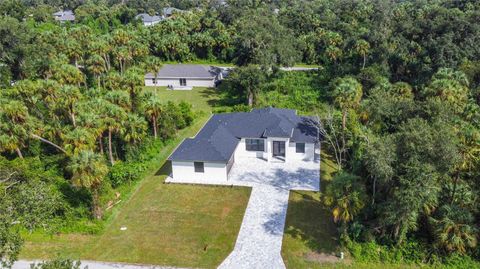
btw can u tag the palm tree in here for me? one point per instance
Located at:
(88, 171)
(13, 122)
(79, 139)
(347, 94)
(96, 66)
(68, 97)
(132, 81)
(112, 117)
(362, 47)
(454, 230)
(152, 108)
(119, 98)
(135, 128)
(153, 64)
(346, 195)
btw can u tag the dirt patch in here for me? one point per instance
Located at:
(324, 258)
(225, 211)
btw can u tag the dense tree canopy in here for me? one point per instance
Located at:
(397, 88)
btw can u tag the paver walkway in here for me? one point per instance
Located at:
(259, 242)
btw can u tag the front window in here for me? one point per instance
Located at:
(254, 145)
(199, 167)
(300, 147)
(183, 82)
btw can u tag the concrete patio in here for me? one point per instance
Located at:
(259, 241)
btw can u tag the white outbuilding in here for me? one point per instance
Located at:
(185, 76)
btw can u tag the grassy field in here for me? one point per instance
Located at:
(310, 237)
(202, 99)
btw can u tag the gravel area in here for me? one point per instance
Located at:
(259, 241)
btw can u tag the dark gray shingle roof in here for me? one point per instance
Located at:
(146, 18)
(186, 71)
(218, 139)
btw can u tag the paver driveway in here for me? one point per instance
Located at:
(259, 241)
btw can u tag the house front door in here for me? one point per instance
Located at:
(278, 149)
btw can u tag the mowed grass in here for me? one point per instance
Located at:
(167, 224)
(202, 99)
(310, 238)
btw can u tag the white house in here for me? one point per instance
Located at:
(149, 20)
(184, 76)
(270, 134)
(64, 16)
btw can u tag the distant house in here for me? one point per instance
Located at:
(270, 134)
(185, 76)
(169, 11)
(149, 20)
(64, 16)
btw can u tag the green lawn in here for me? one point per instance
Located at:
(167, 224)
(310, 237)
(202, 99)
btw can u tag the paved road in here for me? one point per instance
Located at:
(259, 242)
(25, 264)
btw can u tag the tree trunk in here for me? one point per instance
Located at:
(455, 183)
(250, 99)
(110, 153)
(49, 142)
(374, 186)
(100, 144)
(19, 153)
(154, 122)
(74, 122)
(364, 60)
(344, 119)
(96, 208)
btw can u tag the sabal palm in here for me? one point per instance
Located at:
(88, 170)
(112, 117)
(454, 229)
(119, 98)
(152, 107)
(79, 139)
(135, 128)
(14, 121)
(346, 196)
(68, 97)
(347, 94)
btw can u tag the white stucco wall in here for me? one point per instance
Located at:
(186, 171)
(241, 152)
(290, 150)
(309, 154)
(176, 82)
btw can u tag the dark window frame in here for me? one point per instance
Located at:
(199, 167)
(254, 144)
(183, 82)
(301, 149)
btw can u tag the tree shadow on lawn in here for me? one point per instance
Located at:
(309, 220)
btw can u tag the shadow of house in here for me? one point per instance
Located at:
(165, 170)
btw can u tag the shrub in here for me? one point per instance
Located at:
(57, 264)
(124, 172)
